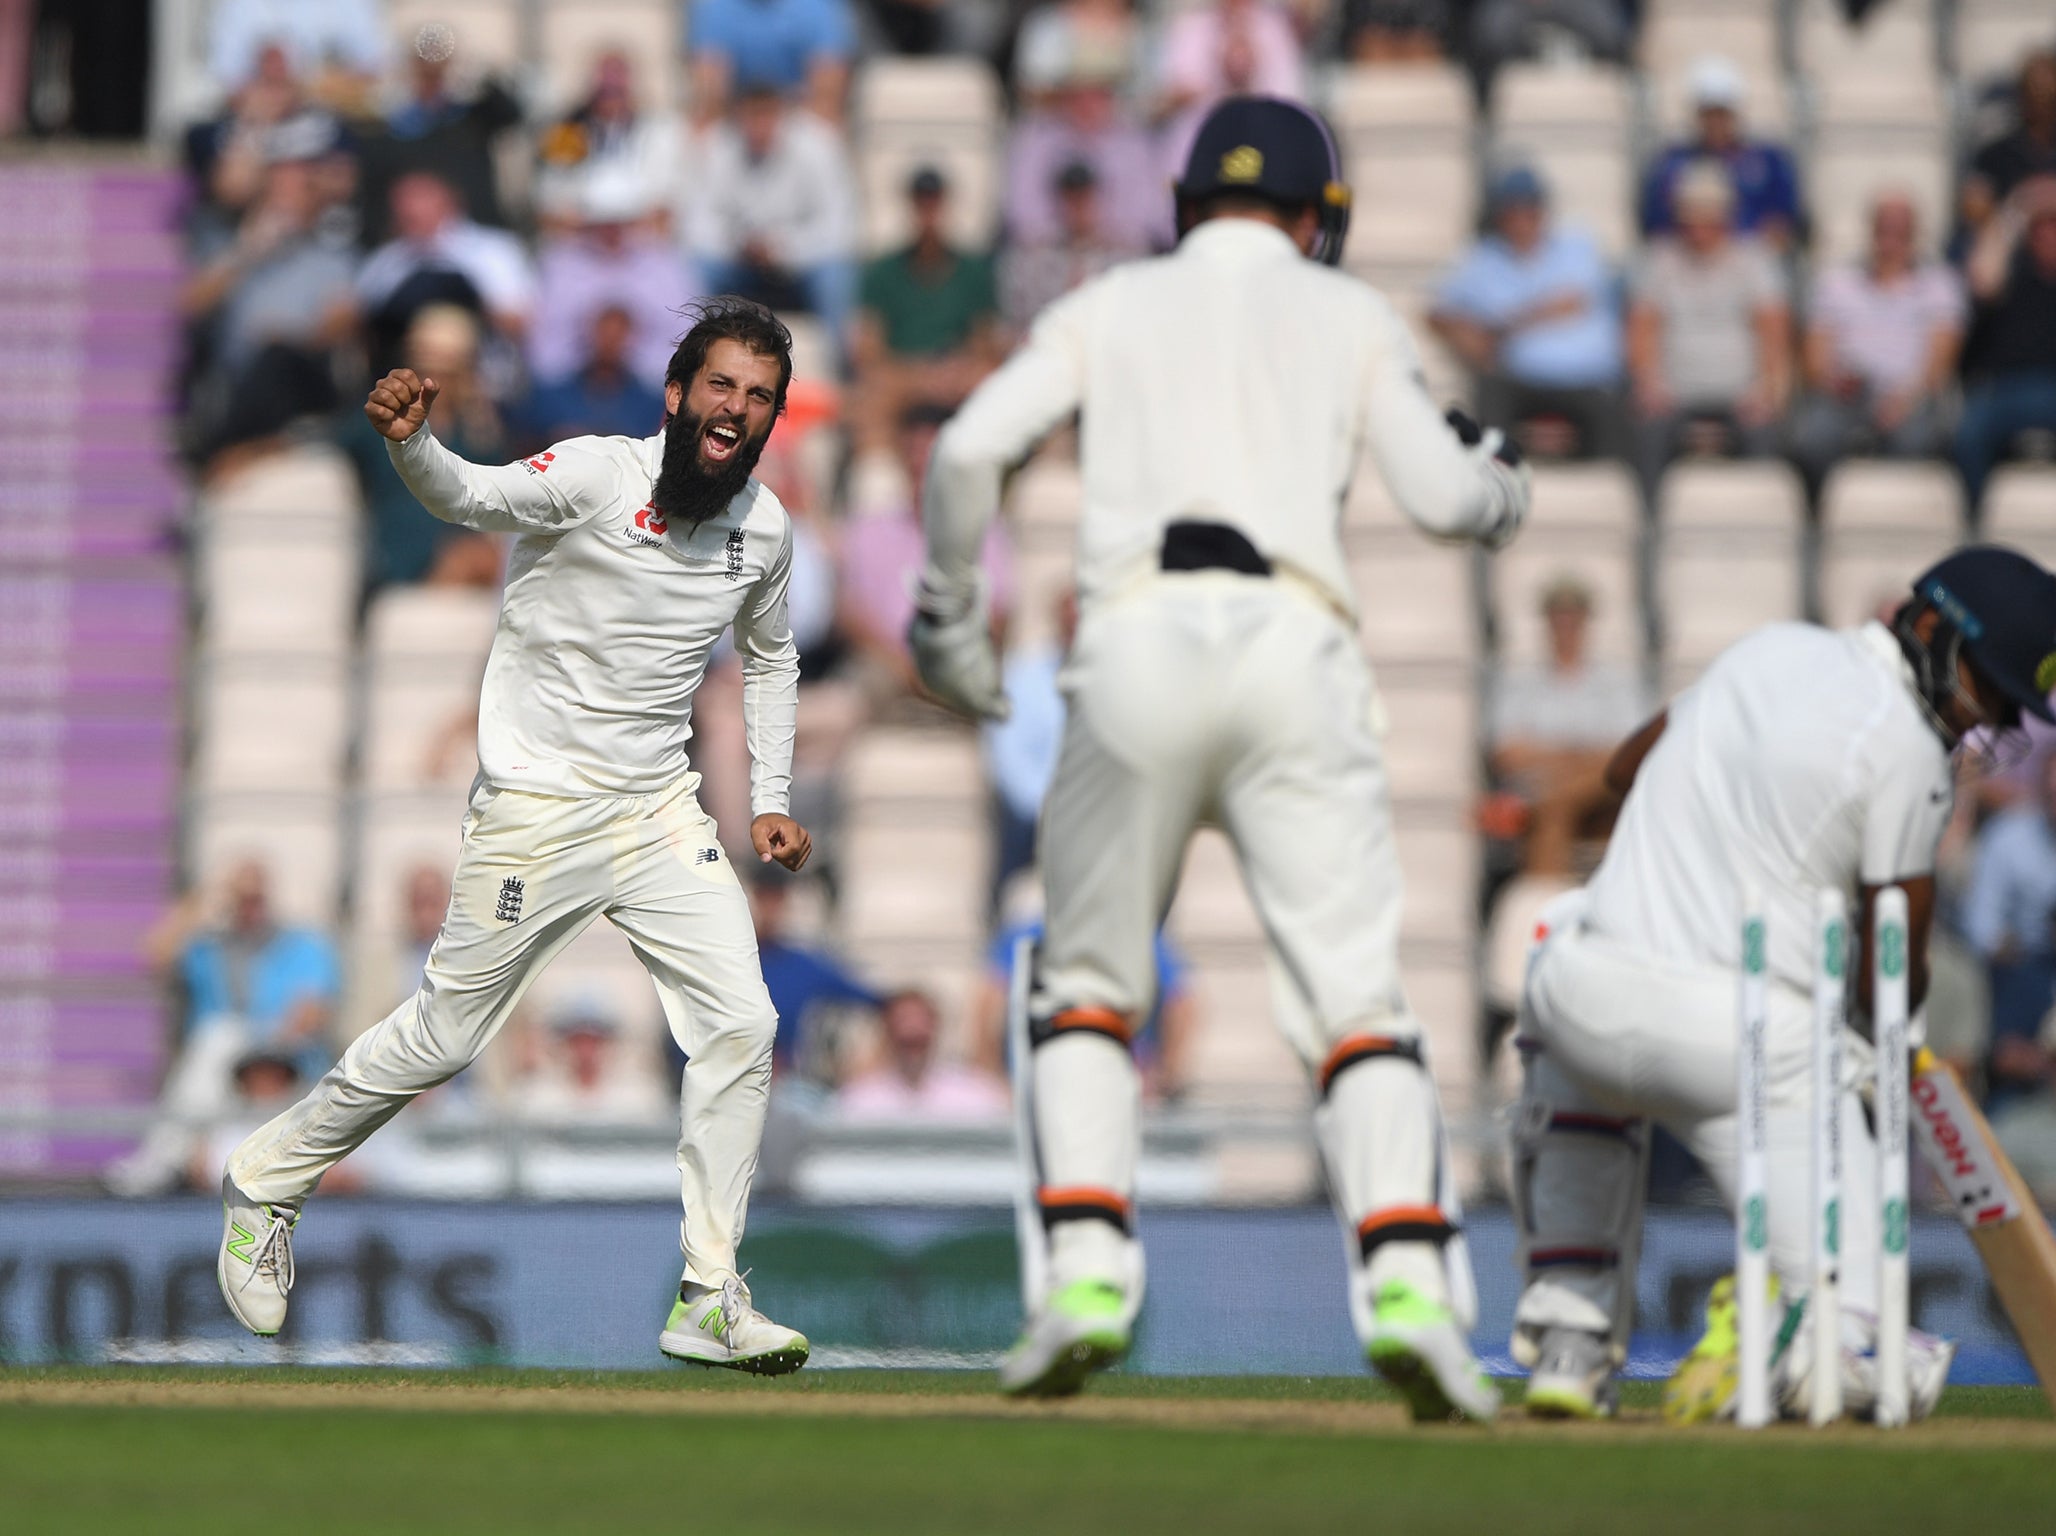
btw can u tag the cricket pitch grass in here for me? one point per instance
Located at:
(299, 1452)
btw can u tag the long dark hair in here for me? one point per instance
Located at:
(735, 319)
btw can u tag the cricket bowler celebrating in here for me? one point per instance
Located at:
(632, 557)
(1228, 393)
(1804, 759)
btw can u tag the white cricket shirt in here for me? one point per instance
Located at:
(1800, 760)
(1232, 381)
(609, 616)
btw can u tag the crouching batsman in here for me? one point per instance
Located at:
(1804, 759)
(631, 557)
(1229, 392)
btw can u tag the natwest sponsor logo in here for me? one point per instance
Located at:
(648, 526)
(540, 464)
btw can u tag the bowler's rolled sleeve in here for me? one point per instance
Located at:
(770, 685)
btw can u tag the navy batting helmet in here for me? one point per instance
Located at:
(1998, 609)
(1278, 151)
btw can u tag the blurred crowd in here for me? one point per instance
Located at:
(366, 198)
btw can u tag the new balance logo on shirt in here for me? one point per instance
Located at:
(511, 891)
(707, 856)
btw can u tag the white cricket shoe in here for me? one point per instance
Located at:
(1416, 1345)
(1573, 1377)
(255, 1266)
(722, 1328)
(1082, 1328)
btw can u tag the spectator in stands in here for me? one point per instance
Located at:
(1766, 186)
(261, 1085)
(248, 983)
(1021, 750)
(586, 1079)
(773, 214)
(927, 330)
(1085, 124)
(1066, 38)
(425, 897)
(443, 128)
(2009, 362)
(610, 136)
(2026, 151)
(613, 257)
(602, 397)
(1032, 276)
(227, 155)
(1533, 311)
(1223, 48)
(272, 300)
(1504, 30)
(439, 256)
(337, 46)
(1709, 333)
(803, 980)
(883, 552)
(404, 543)
(1880, 351)
(1395, 31)
(799, 49)
(2009, 916)
(1162, 1048)
(1552, 728)
(910, 1084)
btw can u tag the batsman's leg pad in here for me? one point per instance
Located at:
(1578, 1178)
(1087, 1114)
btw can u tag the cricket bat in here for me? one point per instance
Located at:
(1995, 1206)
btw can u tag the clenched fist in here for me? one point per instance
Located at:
(399, 403)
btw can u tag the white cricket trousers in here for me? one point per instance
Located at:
(1626, 1037)
(1211, 697)
(533, 872)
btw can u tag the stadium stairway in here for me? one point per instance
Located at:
(91, 628)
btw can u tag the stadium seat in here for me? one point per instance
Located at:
(1045, 498)
(1881, 524)
(574, 33)
(1431, 741)
(2020, 509)
(944, 112)
(275, 591)
(598, 969)
(1587, 523)
(1405, 136)
(1212, 914)
(1240, 1060)
(923, 881)
(1895, 39)
(1728, 557)
(908, 771)
(414, 717)
(397, 831)
(1993, 36)
(1438, 855)
(1677, 33)
(284, 491)
(1573, 126)
(268, 725)
(297, 836)
(406, 626)
(489, 32)
(1415, 602)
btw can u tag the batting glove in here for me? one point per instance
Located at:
(1504, 463)
(951, 639)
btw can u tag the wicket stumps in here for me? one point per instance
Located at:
(1888, 956)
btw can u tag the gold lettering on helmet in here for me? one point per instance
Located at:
(1243, 164)
(2045, 674)
(1335, 194)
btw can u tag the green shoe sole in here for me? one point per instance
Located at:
(777, 1362)
(1068, 1373)
(1545, 1404)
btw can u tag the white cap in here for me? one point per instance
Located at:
(613, 194)
(1715, 82)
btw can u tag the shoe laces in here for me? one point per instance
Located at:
(735, 1299)
(275, 1254)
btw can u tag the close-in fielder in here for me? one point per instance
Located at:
(633, 556)
(1228, 391)
(1804, 759)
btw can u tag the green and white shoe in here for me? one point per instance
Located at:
(1416, 1345)
(255, 1265)
(1706, 1381)
(1573, 1377)
(1082, 1328)
(722, 1328)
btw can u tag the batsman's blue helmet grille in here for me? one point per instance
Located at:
(1278, 152)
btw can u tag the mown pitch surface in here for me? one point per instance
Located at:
(301, 1451)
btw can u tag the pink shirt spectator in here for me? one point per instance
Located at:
(581, 275)
(1126, 164)
(882, 555)
(1882, 333)
(1232, 48)
(945, 1092)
